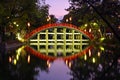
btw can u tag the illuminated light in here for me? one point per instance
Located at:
(85, 30)
(95, 24)
(48, 63)
(93, 60)
(28, 59)
(28, 24)
(102, 48)
(66, 20)
(86, 25)
(90, 30)
(66, 61)
(14, 22)
(19, 50)
(19, 38)
(10, 59)
(89, 53)
(102, 39)
(70, 64)
(85, 57)
(17, 57)
(98, 30)
(8, 17)
(98, 54)
(15, 61)
(18, 53)
(70, 18)
(49, 18)
(17, 25)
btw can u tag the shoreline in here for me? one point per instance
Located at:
(11, 44)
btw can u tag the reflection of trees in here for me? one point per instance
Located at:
(22, 70)
(107, 66)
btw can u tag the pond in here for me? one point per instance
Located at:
(101, 62)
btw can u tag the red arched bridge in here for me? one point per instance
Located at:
(58, 39)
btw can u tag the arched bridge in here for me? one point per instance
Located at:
(58, 39)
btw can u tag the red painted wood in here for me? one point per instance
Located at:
(52, 58)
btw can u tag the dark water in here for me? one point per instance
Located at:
(102, 62)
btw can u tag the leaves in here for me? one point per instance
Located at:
(22, 11)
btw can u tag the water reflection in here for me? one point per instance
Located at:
(98, 63)
(57, 71)
(52, 58)
(103, 64)
(19, 65)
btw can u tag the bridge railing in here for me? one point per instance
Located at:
(27, 36)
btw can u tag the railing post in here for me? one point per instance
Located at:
(72, 41)
(80, 42)
(38, 42)
(64, 37)
(46, 41)
(55, 45)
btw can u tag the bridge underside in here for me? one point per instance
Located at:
(59, 41)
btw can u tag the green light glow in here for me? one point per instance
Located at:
(93, 60)
(17, 57)
(86, 25)
(102, 48)
(15, 61)
(19, 37)
(95, 24)
(17, 25)
(85, 57)
(102, 39)
(14, 22)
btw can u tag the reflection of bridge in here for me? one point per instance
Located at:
(58, 39)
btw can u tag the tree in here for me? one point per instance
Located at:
(16, 14)
(84, 13)
(52, 19)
